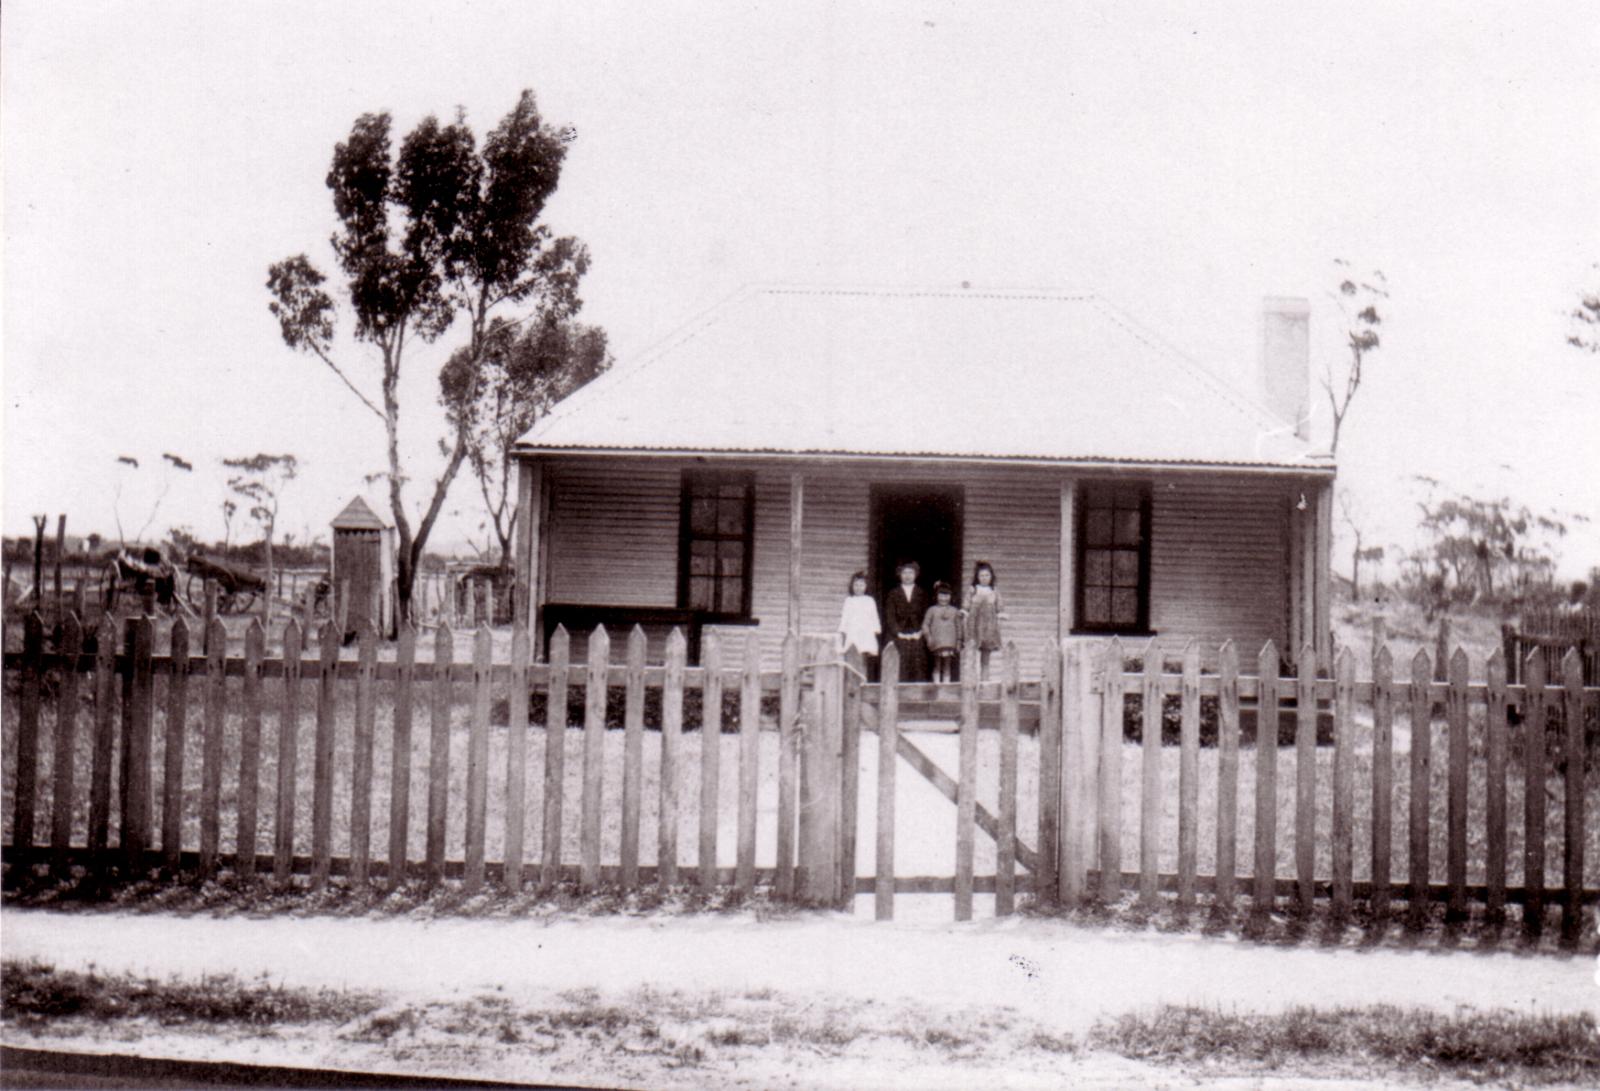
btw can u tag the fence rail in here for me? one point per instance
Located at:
(1094, 818)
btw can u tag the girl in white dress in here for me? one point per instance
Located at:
(858, 621)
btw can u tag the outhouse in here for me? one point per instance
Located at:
(363, 567)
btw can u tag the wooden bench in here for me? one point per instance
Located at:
(580, 619)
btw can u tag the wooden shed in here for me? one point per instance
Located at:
(363, 567)
(738, 476)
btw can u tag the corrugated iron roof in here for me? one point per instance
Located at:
(357, 515)
(949, 373)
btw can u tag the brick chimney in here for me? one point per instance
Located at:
(1285, 369)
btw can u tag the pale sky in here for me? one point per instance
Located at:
(1183, 161)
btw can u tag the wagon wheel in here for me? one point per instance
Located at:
(237, 602)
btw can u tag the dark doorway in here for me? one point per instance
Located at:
(919, 523)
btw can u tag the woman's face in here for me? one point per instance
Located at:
(908, 576)
(985, 577)
(858, 586)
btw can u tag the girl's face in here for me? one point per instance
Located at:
(908, 575)
(858, 586)
(985, 577)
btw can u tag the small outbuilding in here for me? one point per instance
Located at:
(363, 567)
(739, 475)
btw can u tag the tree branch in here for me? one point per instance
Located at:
(366, 401)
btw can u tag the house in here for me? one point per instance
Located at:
(738, 475)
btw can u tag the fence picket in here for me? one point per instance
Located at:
(1076, 820)
(594, 757)
(1343, 782)
(671, 742)
(400, 756)
(516, 757)
(136, 800)
(1150, 777)
(172, 755)
(1456, 800)
(967, 782)
(1046, 880)
(1421, 722)
(710, 759)
(1189, 774)
(442, 696)
(255, 641)
(1572, 859)
(361, 757)
(213, 730)
(288, 757)
(788, 756)
(632, 757)
(1111, 773)
(478, 760)
(1495, 791)
(1005, 883)
(888, 736)
(64, 741)
(105, 732)
(1534, 720)
(1227, 775)
(27, 768)
(1266, 812)
(1305, 778)
(555, 756)
(749, 763)
(1382, 780)
(323, 756)
(849, 773)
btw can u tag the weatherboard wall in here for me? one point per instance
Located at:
(1218, 556)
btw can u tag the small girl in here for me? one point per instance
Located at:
(941, 628)
(984, 612)
(858, 621)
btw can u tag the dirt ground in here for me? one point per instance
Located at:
(930, 1004)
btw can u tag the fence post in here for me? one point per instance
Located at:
(441, 696)
(1227, 776)
(819, 766)
(967, 782)
(710, 760)
(632, 756)
(1075, 722)
(1343, 788)
(1266, 812)
(594, 739)
(1111, 713)
(1382, 779)
(1006, 847)
(1534, 728)
(478, 760)
(555, 755)
(788, 759)
(671, 740)
(136, 804)
(888, 736)
(1046, 885)
(1421, 723)
(105, 730)
(749, 762)
(1189, 775)
(288, 756)
(173, 754)
(850, 774)
(1151, 700)
(1305, 778)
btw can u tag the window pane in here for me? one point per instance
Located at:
(730, 558)
(1097, 568)
(1096, 606)
(1129, 496)
(731, 491)
(702, 558)
(730, 516)
(702, 515)
(1127, 526)
(730, 595)
(1098, 529)
(1124, 606)
(1125, 568)
(701, 589)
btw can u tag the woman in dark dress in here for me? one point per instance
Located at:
(903, 609)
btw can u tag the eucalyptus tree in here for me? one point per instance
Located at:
(440, 231)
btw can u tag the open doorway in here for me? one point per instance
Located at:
(920, 523)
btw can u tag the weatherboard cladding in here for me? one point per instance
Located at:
(1217, 568)
(1004, 375)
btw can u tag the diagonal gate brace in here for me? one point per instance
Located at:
(941, 780)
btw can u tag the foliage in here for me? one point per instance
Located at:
(440, 230)
(127, 467)
(495, 400)
(1358, 301)
(1491, 549)
(260, 480)
(1585, 317)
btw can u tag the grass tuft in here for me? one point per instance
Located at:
(1470, 1044)
(33, 992)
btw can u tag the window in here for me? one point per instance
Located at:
(716, 525)
(1114, 558)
